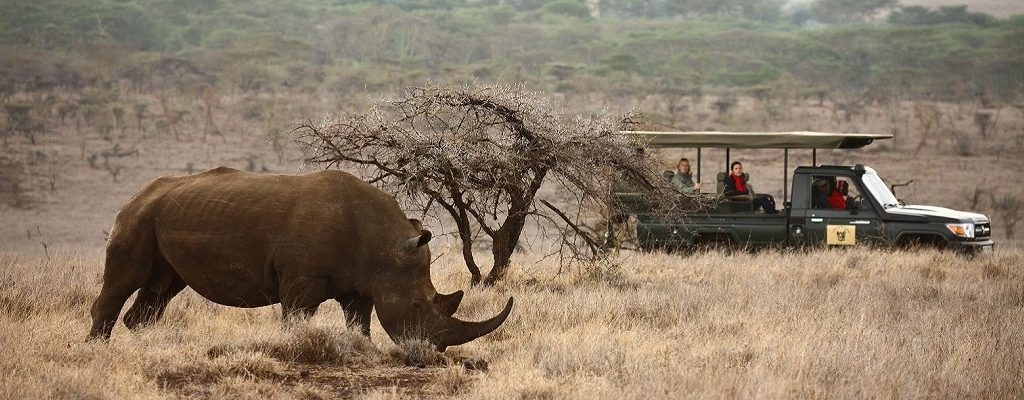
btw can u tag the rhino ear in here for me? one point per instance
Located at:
(411, 245)
(425, 236)
(416, 224)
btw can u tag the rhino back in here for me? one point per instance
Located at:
(234, 236)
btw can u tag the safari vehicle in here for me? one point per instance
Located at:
(872, 213)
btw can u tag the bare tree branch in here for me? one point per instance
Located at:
(482, 153)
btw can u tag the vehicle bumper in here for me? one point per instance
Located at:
(973, 247)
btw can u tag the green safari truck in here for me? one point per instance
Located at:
(868, 212)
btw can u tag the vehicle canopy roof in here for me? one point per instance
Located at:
(758, 140)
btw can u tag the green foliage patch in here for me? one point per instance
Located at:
(262, 45)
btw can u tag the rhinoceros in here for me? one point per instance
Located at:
(249, 240)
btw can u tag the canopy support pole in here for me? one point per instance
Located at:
(727, 168)
(698, 165)
(785, 175)
(814, 157)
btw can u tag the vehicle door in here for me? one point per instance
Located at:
(850, 221)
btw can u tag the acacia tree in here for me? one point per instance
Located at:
(482, 153)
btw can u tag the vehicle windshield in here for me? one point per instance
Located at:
(880, 190)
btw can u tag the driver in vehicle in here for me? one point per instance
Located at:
(820, 195)
(837, 199)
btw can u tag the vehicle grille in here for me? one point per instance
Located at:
(982, 230)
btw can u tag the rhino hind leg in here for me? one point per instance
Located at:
(357, 311)
(153, 297)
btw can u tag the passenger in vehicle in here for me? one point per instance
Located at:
(820, 195)
(683, 178)
(735, 185)
(837, 199)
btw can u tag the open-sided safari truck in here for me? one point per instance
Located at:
(870, 213)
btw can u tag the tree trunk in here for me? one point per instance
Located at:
(505, 241)
(467, 254)
(507, 237)
(466, 236)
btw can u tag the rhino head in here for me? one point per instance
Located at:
(409, 307)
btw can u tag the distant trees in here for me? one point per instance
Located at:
(849, 10)
(917, 15)
(378, 45)
(570, 8)
(757, 10)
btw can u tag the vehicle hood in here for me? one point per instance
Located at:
(929, 212)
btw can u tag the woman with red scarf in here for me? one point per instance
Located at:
(735, 185)
(837, 199)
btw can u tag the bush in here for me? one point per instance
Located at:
(567, 7)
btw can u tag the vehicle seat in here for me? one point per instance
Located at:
(737, 203)
(668, 174)
(722, 176)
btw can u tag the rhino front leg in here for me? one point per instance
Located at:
(357, 311)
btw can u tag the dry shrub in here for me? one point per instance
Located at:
(603, 273)
(992, 271)
(236, 387)
(390, 393)
(303, 342)
(178, 372)
(417, 353)
(451, 380)
(933, 274)
(539, 392)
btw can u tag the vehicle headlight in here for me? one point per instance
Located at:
(962, 230)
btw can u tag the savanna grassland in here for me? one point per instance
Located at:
(99, 97)
(773, 324)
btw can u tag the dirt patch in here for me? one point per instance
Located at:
(309, 380)
(309, 361)
(349, 382)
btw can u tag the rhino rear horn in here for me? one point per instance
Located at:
(448, 303)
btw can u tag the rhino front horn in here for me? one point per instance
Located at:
(457, 332)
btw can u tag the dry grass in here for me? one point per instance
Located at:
(774, 324)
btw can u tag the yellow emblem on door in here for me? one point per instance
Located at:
(845, 235)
